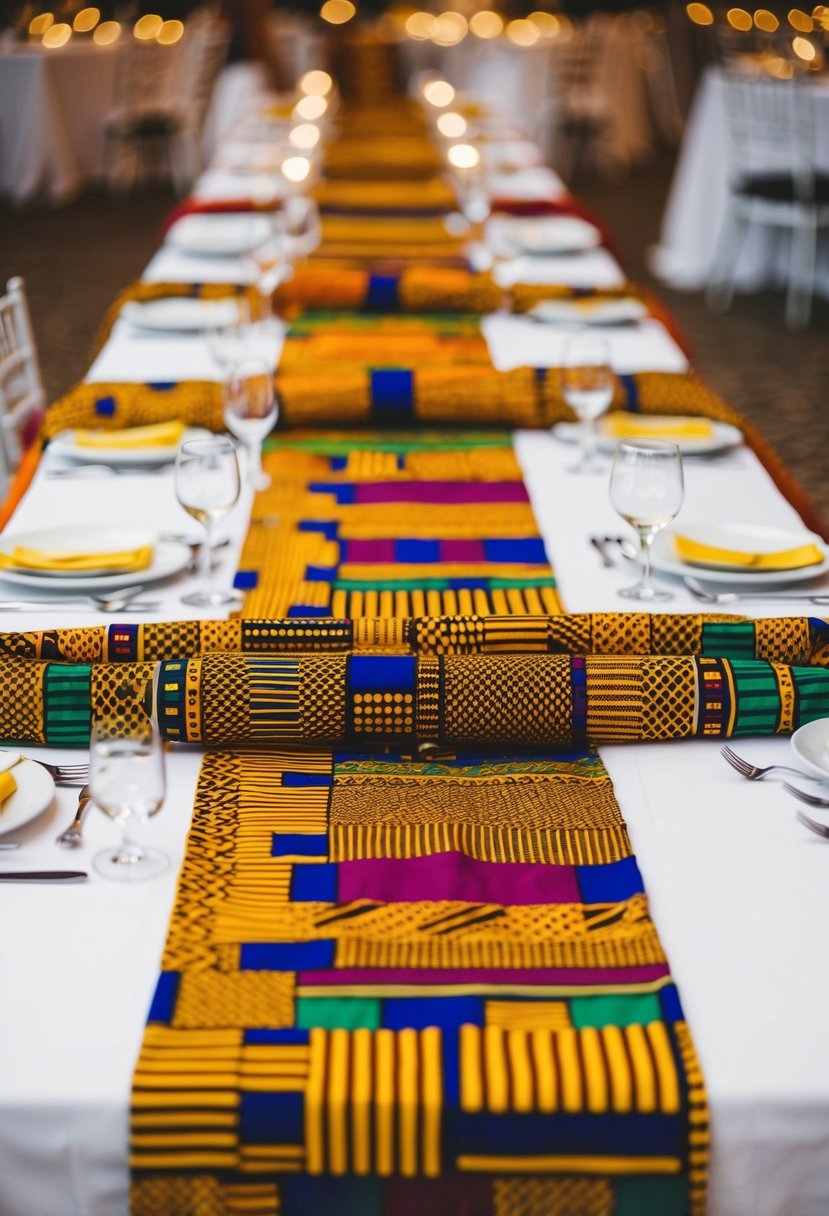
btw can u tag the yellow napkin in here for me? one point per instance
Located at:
(694, 552)
(627, 426)
(67, 562)
(7, 787)
(162, 435)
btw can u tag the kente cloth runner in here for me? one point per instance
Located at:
(397, 981)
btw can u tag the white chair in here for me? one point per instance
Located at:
(161, 105)
(772, 181)
(22, 397)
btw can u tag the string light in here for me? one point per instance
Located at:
(700, 14)
(464, 156)
(310, 107)
(306, 135)
(107, 33)
(86, 20)
(147, 27)
(296, 168)
(315, 83)
(439, 93)
(739, 19)
(57, 35)
(420, 26)
(801, 21)
(766, 21)
(170, 32)
(40, 24)
(486, 24)
(451, 124)
(522, 32)
(337, 12)
(449, 29)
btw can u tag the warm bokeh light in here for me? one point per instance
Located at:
(486, 24)
(40, 24)
(700, 14)
(59, 35)
(801, 21)
(464, 156)
(306, 135)
(439, 93)
(522, 32)
(451, 124)
(107, 33)
(86, 20)
(315, 83)
(170, 32)
(337, 12)
(766, 21)
(449, 29)
(310, 107)
(547, 24)
(147, 27)
(296, 168)
(739, 19)
(420, 25)
(802, 47)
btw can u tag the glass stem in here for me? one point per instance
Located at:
(254, 453)
(591, 437)
(130, 850)
(206, 555)
(645, 541)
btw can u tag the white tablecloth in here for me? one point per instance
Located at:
(699, 193)
(738, 889)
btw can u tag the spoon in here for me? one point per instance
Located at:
(730, 597)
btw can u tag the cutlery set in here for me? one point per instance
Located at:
(755, 773)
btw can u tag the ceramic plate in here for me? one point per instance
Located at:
(811, 746)
(219, 236)
(625, 311)
(174, 314)
(722, 436)
(754, 538)
(169, 557)
(64, 445)
(35, 790)
(551, 234)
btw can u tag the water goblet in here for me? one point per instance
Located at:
(207, 486)
(228, 342)
(250, 411)
(646, 489)
(587, 384)
(127, 782)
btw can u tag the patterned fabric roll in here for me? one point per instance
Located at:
(485, 681)
(417, 289)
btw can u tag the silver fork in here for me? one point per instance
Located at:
(809, 799)
(754, 773)
(66, 774)
(820, 828)
(71, 837)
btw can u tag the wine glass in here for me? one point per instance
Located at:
(127, 782)
(229, 340)
(587, 384)
(646, 488)
(250, 410)
(207, 486)
(270, 263)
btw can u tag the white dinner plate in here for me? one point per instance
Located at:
(553, 234)
(64, 444)
(219, 236)
(35, 790)
(753, 538)
(181, 314)
(811, 746)
(168, 558)
(625, 311)
(722, 436)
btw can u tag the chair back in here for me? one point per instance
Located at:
(203, 57)
(21, 388)
(770, 127)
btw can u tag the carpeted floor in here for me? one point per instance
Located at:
(75, 258)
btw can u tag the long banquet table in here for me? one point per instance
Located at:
(736, 886)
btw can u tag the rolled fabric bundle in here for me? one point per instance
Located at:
(522, 297)
(482, 699)
(112, 407)
(415, 289)
(432, 196)
(388, 157)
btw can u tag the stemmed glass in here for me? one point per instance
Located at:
(646, 488)
(127, 781)
(270, 263)
(587, 384)
(250, 410)
(228, 342)
(207, 486)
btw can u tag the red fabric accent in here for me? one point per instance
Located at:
(219, 206)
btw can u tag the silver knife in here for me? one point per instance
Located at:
(598, 544)
(43, 875)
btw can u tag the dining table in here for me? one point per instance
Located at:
(734, 882)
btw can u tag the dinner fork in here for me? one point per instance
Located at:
(732, 597)
(754, 773)
(66, 774)
(809, 799)
(820, 828)
(70, 838)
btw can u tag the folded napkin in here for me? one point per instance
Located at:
(620, 425)
(696, 553)
(8, 785)
(66, 562)
(160, 435)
